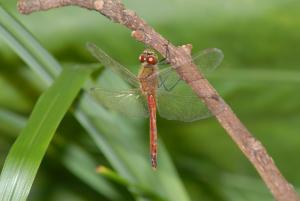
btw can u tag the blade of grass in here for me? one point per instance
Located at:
(75, 158)
(26, 154)
(83, 166)
(11, 122)
(110, 174)
(27, 47)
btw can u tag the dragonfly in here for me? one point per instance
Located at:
(155, 89)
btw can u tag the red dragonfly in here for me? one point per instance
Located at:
(154, 89)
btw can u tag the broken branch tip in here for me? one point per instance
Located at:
(138, 35)
(98, 4)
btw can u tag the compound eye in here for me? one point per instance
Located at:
(151, 60)
(142, 58)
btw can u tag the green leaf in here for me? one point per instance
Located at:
(26, 154)
(27, 47)
(110, 174)
(75, 159)
(11, 122)
(83, 166)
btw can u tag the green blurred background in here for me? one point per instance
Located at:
(259, 78)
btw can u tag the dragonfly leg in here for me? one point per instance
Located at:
(167, 52)
(163, 61)
(162, 84)
(174, 85)
(147, 39)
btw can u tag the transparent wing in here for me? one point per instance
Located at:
(108, 62)
(129, 102)
(207, 61)
(181, 104)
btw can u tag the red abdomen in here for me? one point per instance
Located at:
(153, 130)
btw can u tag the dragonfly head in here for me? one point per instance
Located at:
(148, 58)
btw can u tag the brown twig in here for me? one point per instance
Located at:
(252, 148)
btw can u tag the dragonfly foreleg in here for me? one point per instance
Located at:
(165, 60)
(167, 54)
(170, 88)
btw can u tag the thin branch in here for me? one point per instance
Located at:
(141, 31)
